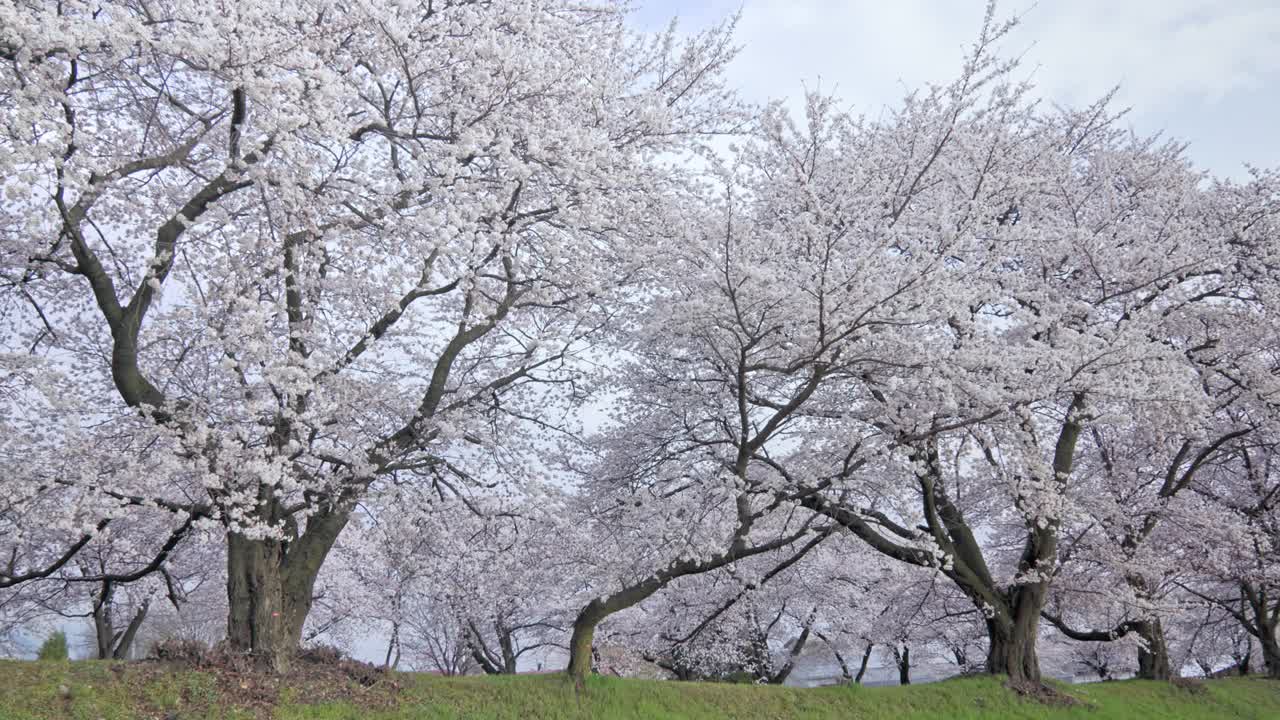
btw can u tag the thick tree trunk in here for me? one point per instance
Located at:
(1012, 649)
(269, 589)
(1153, 653)
(581, 642)
(257, 618)
(1270, 653)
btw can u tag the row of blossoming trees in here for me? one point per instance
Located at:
(456, 322)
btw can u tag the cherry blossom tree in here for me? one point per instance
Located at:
(913, 326)
(300, 249)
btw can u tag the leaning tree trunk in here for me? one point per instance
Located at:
(124, 644)
(269, 589)
(583, 639)
(114, 644)
(862, 666)
(584, 626)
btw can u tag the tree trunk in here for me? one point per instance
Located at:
(1242, 659)
(962, 661)
(1153, 653)
(506, 643)
(1270, 652)
(393, 648)
(903, 660)
(113, 644)
(257, 621)
(584, 626)
(862, 667)
(781, 676)
(1014, 629)
(269, 589)
(580, 643)
(125, 643)
(1261, 622)
(1012, 649)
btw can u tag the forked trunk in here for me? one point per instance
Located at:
(903, 659)
(269, 589)
(259, 622)
(1012, 649)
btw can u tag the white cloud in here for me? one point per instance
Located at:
(1203, 70)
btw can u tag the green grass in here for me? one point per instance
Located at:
(111, 691)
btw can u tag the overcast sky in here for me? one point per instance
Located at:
(1202, 71)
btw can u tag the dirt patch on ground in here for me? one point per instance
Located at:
(1191, 685)
(316, 676)
(1041, 693)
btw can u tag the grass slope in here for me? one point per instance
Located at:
(120, 691)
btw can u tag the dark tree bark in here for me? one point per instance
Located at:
(584, 626)
(1258, 612)
(270, 586)
(1265, 619)
(502, 662)
(1153, 655)
(780, 677)
(902, 658)
(113, 644)
(392, 659)
(862, 666)
(1014, 612)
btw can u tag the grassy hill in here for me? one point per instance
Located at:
(133, 691)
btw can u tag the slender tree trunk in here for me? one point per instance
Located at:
(1264, 614)
(113, 644)
(862, 667)
(962, 661)
(393, 647)
(125, 643)
(506, 643)
(781, 676)
(102, 629)
(1242, 660)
